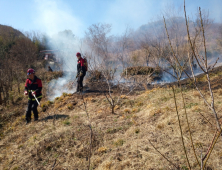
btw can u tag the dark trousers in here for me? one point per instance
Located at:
(79, 83)
(32, 106)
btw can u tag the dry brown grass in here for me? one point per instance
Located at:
(124, 97)
(220, 92)
(119, 142)
(127, 110)
(196, 94)
(102, 150)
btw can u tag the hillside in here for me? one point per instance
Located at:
(9, 32)
(8, 37)
(61, 138)
(157, 28)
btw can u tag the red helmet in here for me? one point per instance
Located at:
(78, 54)
(30, 71)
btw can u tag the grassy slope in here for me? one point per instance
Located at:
(120, 141)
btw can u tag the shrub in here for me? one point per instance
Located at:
(49, 102)
(191, 105)
(57, 98)
(124, 97)
(135, 110)
(160, 126)
(19, 99)
(220, 92)
(70, 106)
(196, 109)
(66, 122)
(102, 150)
(140, 71)
(119, 142)
(196, 94)
(46, 104)
(64, 94)
(137, 131)
(139, 104)
(127, 110)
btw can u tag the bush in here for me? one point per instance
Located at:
(102, 150)
(66, 122)
(97, 75)
(145, 70)
(119, 142)
(70, 106)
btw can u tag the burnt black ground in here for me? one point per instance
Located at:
(101, 87)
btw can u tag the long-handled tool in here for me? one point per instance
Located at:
(35, 98)
(75, 79)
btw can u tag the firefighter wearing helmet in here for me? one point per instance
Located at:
(33, 88)
(81, 71)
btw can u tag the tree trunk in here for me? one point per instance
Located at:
(18, 84)
(0, 94)
(113, 106)
(7, 94)
(3, 92)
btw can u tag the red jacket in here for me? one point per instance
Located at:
(81, 66)
(34, 85)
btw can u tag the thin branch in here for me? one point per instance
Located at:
(210, 90)
(91, 132)
(201, 166)
(189, 39)
(208, 156)
(205, 49)
(54, 165)
(181, 132)
(210, 145)
(188, 125)
(212, 67)
(206, 119)
(174, 52)
(163, 156)
(207, 75)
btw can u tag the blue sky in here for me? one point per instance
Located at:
(52, 16)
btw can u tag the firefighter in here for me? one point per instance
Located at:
(34, 84)
(81, 72)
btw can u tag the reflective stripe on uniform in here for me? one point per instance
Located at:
(34, 98)
(40, 96)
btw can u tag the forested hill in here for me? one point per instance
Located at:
(9, 32)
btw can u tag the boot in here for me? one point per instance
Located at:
(27, 122)
(77, 92)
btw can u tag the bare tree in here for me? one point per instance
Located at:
(122, 46)
(97, 37)
(202, 61)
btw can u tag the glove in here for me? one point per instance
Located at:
(25, 93)
(33, 93)
(80, 74)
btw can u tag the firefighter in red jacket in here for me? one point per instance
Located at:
(33, 86)
(81, 72)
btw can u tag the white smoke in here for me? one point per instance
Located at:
(54, 16)
(63, 28)
(67, 45)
